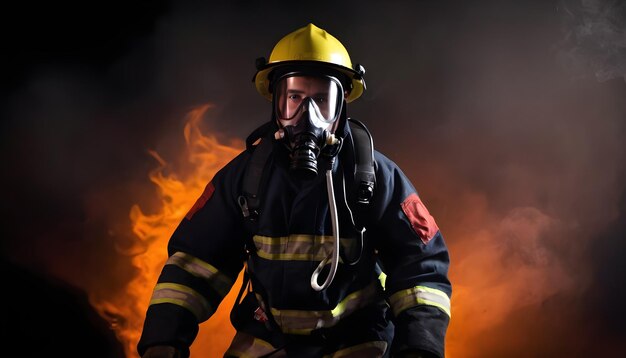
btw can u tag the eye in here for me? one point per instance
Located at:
(294, 97)
(320, 99)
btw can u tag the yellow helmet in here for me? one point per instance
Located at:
(310, 45)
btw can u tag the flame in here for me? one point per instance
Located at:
(486, 282)
(177, 193)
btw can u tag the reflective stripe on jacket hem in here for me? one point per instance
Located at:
(303, 322)
(373, 349)
(245, 345)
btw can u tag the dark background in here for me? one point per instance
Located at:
(508, 116)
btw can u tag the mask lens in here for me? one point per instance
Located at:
(292, 92)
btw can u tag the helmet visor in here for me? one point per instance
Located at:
(323, 93)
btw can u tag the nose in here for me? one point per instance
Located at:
(305, 110)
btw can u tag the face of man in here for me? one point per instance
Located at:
(320, 96)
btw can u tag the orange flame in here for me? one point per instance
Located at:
(177, 194)
(486, 282)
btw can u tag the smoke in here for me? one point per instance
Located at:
(595, 42)
(527, 273)
(522, 167)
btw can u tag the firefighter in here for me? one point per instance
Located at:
(339, 261)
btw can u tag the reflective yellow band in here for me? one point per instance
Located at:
(182, 296)
(298, 247)
(303, 322)
(368, 349)
(419, 295)
(244, 345)
(220, 282)
(382, 278)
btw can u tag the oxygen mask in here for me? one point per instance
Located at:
(307, 108)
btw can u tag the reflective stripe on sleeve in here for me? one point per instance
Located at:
(220, 282)
(419, 295)
(182, 296)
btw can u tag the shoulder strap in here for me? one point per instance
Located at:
(250, 199)
(253, 181)
(364, 174)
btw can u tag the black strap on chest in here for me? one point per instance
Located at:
(255, 177)
(254, 181)
(365, 164)
(255, 174)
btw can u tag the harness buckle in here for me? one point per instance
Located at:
(243, 204)
(366, 192)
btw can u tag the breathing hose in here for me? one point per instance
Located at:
(334, 255)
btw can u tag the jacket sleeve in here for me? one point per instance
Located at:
(205, 257)
(415, 260)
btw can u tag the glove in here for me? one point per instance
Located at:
(161, 352)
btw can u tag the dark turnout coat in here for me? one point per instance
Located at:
(391, 291)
